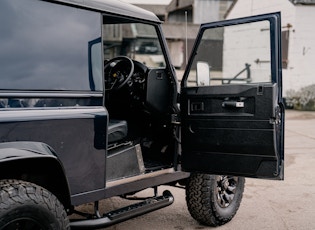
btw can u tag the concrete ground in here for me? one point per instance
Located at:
(278, 205)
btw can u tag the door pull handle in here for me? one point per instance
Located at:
(233, 104)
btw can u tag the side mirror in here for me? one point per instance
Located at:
(203, 74)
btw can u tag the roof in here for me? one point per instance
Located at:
(113, 7)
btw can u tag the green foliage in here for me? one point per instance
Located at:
(304, 99)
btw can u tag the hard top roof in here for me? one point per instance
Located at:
(113, 7)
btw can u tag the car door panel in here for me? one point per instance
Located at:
(236, 128)
(218, 132)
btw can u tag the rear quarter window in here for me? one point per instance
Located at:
(45, 46)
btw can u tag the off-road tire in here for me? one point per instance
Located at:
(24, 205)
(206, 200)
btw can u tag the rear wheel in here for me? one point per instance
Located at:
(24, 205)
(214, 200)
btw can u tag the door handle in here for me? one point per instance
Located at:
(233, 104)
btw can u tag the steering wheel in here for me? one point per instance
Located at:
(118, 71)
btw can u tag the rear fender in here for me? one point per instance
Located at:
(37, 163)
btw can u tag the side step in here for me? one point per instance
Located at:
(126, 213)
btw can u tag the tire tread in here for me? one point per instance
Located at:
(17, 192)
(200, 199)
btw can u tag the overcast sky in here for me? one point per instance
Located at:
(165, 2)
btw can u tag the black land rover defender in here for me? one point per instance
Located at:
(90, 108)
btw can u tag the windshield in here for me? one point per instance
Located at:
(138, 41)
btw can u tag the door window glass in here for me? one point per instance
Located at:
(138, 41)
(243, 55)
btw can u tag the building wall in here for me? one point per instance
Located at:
(180, 16)
(177, 52)
(198, 11)
(301, 70)
(247, 44)
(209, 11)
(244, 8)
(206, 11)
(301, 48)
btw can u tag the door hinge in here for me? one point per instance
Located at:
(277, 119)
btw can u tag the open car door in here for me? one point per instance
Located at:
(231, 100)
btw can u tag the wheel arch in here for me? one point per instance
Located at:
(35, 163)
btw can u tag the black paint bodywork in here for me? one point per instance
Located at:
(64, 111)
(57, 137)
(77, 135)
